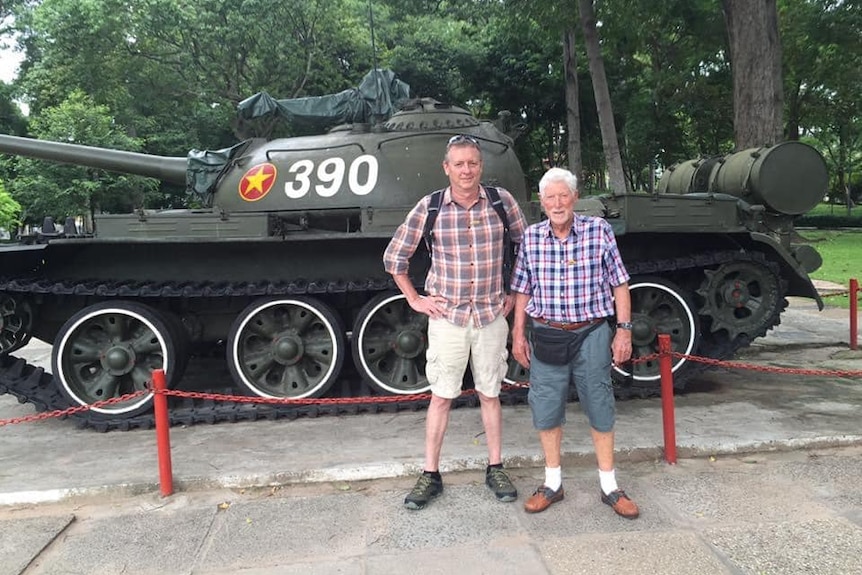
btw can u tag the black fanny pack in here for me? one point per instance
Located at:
(557, 346)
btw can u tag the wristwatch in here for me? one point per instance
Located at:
(624, 325)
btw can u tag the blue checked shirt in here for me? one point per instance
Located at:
(569, 280)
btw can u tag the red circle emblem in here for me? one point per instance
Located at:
(257, 182)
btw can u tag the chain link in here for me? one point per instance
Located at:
(60, 413)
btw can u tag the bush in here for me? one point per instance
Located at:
(829, 221)
(825, 216)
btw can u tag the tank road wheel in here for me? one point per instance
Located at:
(286, 348)
(659, 306)
(16, 324)
(389, 343)
(110, 349)
(741, 298)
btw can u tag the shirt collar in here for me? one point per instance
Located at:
(576, 229)
(447, 194)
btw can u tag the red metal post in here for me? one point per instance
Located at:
(163, 433)
(854, 313)
(667, 409)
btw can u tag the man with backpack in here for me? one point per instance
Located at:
(468, 229)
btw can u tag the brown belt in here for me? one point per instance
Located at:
(567, 326)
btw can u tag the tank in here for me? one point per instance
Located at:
(276, 289)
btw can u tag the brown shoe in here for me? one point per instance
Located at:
(621, 503)
(543, 498)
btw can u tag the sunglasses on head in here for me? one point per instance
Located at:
(463, 139)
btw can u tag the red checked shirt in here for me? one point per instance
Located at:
(569, 280)
(467, 264)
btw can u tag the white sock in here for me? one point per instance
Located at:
(553, 478)
(608, 481)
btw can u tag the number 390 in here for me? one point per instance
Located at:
(330, 175)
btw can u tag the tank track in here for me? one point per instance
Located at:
(711, 345)
(30, 384)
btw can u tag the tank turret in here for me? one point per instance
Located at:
(353, 177)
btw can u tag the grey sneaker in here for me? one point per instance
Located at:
(426, 489)
(498, 481)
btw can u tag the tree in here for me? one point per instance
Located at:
(755, 56)
(603, 98)
(573, 115)
(59, 190)
(822, 41)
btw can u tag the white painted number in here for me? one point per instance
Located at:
(361, 177)
(299, 187)
(370, 177)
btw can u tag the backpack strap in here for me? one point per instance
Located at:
(508, 247)
(431, 217)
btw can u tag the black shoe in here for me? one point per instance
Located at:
(427, 488)
(499, 482)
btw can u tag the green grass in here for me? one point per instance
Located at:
(831, 216)
(841, 251)
(834, 210)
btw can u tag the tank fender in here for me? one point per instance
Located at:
(799, 284)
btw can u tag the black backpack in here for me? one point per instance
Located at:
(509, 248)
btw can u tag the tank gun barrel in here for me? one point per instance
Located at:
(167, 169)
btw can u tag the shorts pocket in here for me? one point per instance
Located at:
(432, 366)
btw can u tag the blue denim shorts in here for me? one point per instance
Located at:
(591, 373)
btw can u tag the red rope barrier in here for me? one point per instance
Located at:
(61, 413)
(667, 404)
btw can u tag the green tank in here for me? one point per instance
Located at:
(281, 274)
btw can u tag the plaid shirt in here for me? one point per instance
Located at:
(569, 280)
(467, 264)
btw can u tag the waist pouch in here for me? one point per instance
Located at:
(557, 346)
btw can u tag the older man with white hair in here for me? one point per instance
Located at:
(570, 281)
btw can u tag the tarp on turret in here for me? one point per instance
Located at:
(205, 167)
(380, 95)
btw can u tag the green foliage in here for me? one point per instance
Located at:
(9, 210)
(11, 119)
(170, 72)
(59, 190)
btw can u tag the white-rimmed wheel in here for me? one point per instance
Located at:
(110, 349)
(389, 343)
(659, 306)
(286, 347)
(16, 323)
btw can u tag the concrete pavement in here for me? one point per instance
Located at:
(766, 484)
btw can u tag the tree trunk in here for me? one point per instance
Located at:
(755, 59)
(603, 98)
(573, 113)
